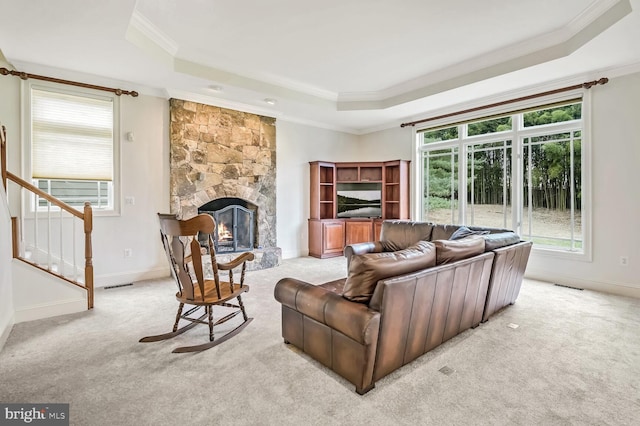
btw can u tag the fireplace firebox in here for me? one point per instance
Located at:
(235, 220)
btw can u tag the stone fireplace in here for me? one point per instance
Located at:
(219, 155)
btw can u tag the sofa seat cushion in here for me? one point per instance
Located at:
(448, 251)
(366, 270)
(398, 235)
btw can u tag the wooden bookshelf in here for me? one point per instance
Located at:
(322, 190)
(328, 233)
(395, 200)
(359, 172)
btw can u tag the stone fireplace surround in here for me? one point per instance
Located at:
(216, 153)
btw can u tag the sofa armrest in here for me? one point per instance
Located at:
(354, 320)
(362, 248)
(506, 276)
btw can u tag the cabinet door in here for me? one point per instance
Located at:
(358, 232)
(377, 227)
(333, 237)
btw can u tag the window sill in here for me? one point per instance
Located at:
(55, 211)
(562, 254)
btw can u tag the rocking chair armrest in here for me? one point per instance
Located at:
(244, 257)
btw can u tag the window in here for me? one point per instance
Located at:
(73, 148)
(521, 170)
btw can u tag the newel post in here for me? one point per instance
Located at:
(88, 266)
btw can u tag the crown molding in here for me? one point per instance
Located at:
(558, 43)
(252, 109)
(219, 102)
(153, 33)
(227, 78)
(553, 45)
(609, 72)
(319, 125)
(98, 80)
(620, 71)
(147, 37)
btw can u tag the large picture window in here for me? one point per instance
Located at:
(73, 145)
(521, 170)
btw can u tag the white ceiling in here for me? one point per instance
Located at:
(351, 65)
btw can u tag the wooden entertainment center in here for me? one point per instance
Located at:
(349, 201)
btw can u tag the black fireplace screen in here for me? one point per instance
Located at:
(234, 228)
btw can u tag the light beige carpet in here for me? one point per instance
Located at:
(574, 359)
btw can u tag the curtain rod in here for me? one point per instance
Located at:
(586, 85)
(24, 76)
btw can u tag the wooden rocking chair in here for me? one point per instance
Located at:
(181, 242)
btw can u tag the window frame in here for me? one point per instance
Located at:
(26, 88)
(517, 135)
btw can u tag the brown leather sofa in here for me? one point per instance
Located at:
(404, 295)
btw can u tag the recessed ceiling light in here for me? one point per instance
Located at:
(215, 88)
(270, 101)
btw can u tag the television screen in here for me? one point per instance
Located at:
(363, 200)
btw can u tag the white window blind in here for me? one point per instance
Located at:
(72, 136)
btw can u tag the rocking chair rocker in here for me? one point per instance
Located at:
(184, 252)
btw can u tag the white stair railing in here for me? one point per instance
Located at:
(36, 244)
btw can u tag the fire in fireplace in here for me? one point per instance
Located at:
(234, 219)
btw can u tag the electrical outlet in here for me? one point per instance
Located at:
(128, 252)
(624, 261)
(130, 200)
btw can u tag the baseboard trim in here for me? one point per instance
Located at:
(47, 310)
(6, 330)
(292, 254)
(620, 289)
(130, 277)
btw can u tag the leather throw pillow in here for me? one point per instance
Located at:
(398, 235)
(365, 270)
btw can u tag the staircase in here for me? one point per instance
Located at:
(48, 234)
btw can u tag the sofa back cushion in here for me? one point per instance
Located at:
(399, 235)
(463, 232)
(448, 251)
(501, 239)
(443, 231)
(365, 270)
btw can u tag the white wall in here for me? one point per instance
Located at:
(37, 294)
(296, 146)
(6, 288)
(390, 144)
(8, 102)
(145, 177)
(10, 118)
(616, 199)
